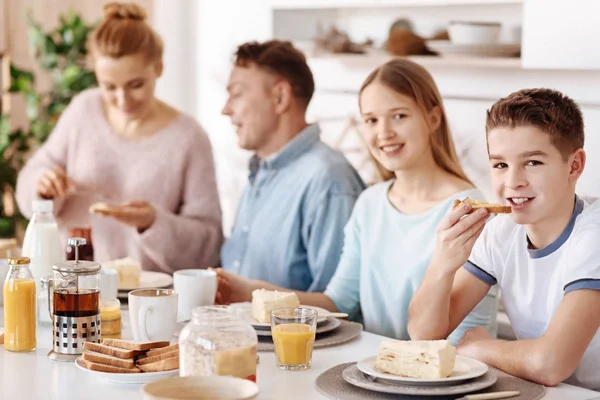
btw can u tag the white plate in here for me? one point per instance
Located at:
(464, 368)
(353, 376)
(246, 312)
(139, 377)
(448, 49)
(151, 279)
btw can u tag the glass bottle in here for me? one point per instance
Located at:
(42, 242)
(218, 342)
(19, 306)
(44, 315)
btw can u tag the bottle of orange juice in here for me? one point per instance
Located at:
(19, 306)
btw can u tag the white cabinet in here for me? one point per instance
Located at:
(561, 35)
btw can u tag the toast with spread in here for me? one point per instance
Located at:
(491, 207)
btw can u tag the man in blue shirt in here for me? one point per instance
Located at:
(289, 226)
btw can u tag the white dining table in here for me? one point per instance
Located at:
(32, 376)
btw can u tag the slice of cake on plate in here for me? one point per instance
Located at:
(129, 272)
(427, 359)
(264, 301)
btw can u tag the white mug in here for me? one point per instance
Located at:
(195, 287)
(153, 314)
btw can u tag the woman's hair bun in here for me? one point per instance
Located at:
(124, 11)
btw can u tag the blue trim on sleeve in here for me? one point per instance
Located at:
(484, 276)
(582, 284)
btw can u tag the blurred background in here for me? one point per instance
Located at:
(478, 51)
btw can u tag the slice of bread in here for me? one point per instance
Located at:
(99, 208)
(132, 345)
(109, 368)
(1, 338)
(160, 357)
(491, 207)
(109, 350)
(163, 350)
(167, 364)
(105, 359)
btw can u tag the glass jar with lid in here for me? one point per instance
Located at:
(217, 341)
(110, 317)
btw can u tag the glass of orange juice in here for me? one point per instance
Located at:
(293, 331)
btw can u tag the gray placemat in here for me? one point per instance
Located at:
(346, 332)
(332, 385)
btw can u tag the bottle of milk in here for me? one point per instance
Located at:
(42, 242)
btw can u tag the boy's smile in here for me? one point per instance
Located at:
(520, 203)
(532, 176)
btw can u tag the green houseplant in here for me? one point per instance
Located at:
(62, 54)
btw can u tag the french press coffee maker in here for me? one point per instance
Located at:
(74, 303)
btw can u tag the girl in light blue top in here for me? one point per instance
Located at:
(390, 237)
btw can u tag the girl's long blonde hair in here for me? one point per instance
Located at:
(412, 80)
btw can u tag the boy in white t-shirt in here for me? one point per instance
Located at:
(545, 256)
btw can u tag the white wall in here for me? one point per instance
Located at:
(200, 38)
(221, 27)
(178, 28)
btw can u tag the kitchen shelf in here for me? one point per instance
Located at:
(469, 62)
(372, 60)
(333, 4)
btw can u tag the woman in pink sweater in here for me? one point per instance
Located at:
(119, 145)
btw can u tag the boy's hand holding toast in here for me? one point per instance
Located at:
(436, 308)
(458, 232)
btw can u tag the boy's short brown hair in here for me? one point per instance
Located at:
(546, 109)
(282, 59)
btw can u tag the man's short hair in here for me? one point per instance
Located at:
(282, 59)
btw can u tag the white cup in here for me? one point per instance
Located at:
(195, 287)
(153, 314)
(109, 284)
